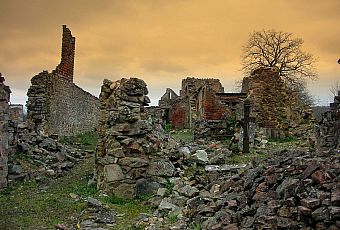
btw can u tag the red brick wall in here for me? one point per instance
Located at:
(177, 116)
(212, 109)
(66, 66)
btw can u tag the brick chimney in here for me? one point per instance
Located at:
(66, 66)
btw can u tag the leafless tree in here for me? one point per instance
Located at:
(335, 88)
(270, 48)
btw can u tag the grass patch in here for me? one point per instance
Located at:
(239, 158)
(88, 140)
(183, 135)
(173, 218)
(33, 205)
(284, 139)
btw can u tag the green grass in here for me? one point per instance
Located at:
(33, 205)
(173, 219)
(239, 158)
(43, 204)
(88, 140)
(284, 139)
(183, 135)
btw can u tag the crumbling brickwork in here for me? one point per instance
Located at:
(4, 118)
(200, 99)
(66, 66)
(202, 106)
(55, 104)
(128, 158)
(274, 105)
(329, 126)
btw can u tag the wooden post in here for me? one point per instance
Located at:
(246, 114)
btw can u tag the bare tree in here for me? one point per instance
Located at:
(335, 88)
(270, 48)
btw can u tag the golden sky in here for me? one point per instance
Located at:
(160, 41)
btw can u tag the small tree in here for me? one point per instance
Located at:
(270, 48)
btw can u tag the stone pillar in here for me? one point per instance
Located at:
(128, 157)
(4, 118)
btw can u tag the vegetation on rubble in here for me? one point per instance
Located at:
(43, 204)
(239, 158)
(183, 135)
(86, 140)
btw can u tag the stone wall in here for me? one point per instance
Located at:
(4, 118)
(329, 126)
(55, 104)
(129, 154)
(276, 106)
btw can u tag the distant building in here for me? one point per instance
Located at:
(16, 112)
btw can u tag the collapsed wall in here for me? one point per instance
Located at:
(275, 106)
(4, 118)
(129, 159)
(55, 104)
(329, 126)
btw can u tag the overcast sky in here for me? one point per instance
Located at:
(161, 42)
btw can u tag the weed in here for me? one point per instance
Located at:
(117, 200)
(169, 187)
(168, 127)
(173, 218)
(196, 226)
(6, 191)
(144, 197)
(85, 190)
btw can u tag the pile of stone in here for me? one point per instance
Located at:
(34, 155)
(131, 151)
(292, 189)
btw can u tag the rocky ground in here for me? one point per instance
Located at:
(282, 186)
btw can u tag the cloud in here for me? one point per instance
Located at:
(155, 39)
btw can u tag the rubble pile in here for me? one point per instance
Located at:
(291, 189)
(35, 155)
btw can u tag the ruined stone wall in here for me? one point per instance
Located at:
(55, 104)
(275, 105)
(129, 159)
(329, 126)
(4, 118)
(58, 106)
(191, 86)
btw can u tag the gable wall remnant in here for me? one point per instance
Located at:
(55, 104)
(4, 119)
(275, 106)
